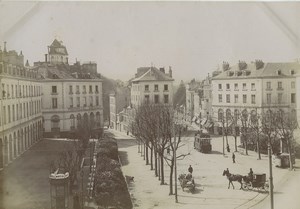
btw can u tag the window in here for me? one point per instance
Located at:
(268, 98)
(72, 120)
(77, 89)
(244, 86)
(220, 86)
(280, 85)
(236, 98)
(3, 90)
(244, 98)
(227, 86)
(12, 91)
(4, 115)
(54, 89)
(8, 110)
(220, 98)
(96, 89)
(253, 86)
(220, 115)
(253, 99)
(84, 89)
(279, 98)
(78, 101)
(147, 99)
(156, 99)
(146, 87)
(55, 126)
(166, 99)
(293, 98)
(236, 87)
(71, 101)
(268, 85)
(84, 101)
(166, 87)
(90, 89)
(97, 101)
(91, 100)
(293, 85)
(13, 113)
(155, 87)
(228, 98)
(54, 103)
(70, 89)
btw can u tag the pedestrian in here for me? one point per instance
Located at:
(233, 157)
(228, 148)
(190, 169)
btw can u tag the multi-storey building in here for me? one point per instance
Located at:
(199, 102)
(117, 101)
(20, 106)
(253, 88)
(152, 85)
(57, 53)
(70, 96)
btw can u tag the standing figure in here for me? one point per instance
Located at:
(228, 148)
(233, 157)
(190, 169)
(250, 174)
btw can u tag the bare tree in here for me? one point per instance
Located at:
(245, 129)
(255, 128)
(286, 123)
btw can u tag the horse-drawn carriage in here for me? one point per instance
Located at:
(258, 182)
(187, 181)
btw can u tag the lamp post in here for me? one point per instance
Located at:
(271, 175)
(82, 174)
(175, 172)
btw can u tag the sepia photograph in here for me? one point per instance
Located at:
(149, 104)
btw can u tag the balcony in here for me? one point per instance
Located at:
(269, 89)
(54, 93)
(77, 92)
(280, 89)
(84, 92)
(71, 92)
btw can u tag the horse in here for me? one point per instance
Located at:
(233, 177)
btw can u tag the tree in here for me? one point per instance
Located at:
(255, 126)
(286, 123)
(245, 129)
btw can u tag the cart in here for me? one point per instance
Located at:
(258, 182)
(187, 181)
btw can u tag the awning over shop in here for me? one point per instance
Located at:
(208, 124)
(219, 124)
(204, 120)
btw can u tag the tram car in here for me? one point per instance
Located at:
(202, 142)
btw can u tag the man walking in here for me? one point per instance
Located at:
(190, 169)
(233, 157)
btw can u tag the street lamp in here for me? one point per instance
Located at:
(271, 175)
(81, 175)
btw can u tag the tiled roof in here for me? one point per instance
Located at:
(57, 45)
(268, 70)
(151, 74)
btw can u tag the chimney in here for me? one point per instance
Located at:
(4, 46)
(162, 69)
(225, 66)
(170, 71)
(46, 58)
(242, 65)
(259, 64)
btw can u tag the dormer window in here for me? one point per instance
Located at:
(278, 72)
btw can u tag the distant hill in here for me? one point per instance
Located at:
(180, 95)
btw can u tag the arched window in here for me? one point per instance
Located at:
(72, 121)
(98, 119)
(236, 115)
(244, 117)
(92, 120)
(78, 120)
(228, 115)
(55, 126)
(220, 115)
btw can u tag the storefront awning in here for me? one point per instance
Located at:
(204, 120)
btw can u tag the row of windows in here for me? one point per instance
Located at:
(16, 70)
(13, 112)
(244, 86)
(236, 98)
(253, 98)
(156, 99)
(12, 91)
(54, 89)
(78, 104)
(156, 88)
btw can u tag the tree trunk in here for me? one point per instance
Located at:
(171, 176)
(151, 157)
(258, 147)
(147, 157)
(235, 145)
(246, 145)
(162, 182)
(290, 154)
(155, 162)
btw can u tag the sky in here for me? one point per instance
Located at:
(194, 38)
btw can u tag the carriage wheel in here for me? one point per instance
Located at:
(266, 186)
(245, 186)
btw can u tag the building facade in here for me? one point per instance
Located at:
(253, 88)
(20, 112)
(153, 86)
(72, 94)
